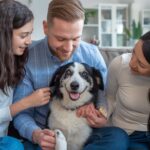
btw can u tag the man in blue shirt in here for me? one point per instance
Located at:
(62, 44)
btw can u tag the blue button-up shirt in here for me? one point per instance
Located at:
(40, 68)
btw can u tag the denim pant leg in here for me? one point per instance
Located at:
(10, 143)
(30, 146)
(107, 138)
(139, 141)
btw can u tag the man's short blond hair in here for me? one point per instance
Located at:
(68, 10)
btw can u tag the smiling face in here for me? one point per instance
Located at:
(75, 85)
(63, 37)
(138, 63)
(22, 38)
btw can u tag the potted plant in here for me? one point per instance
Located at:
(135, 33)
(88, 14)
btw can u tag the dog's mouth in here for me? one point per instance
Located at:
(74, 96)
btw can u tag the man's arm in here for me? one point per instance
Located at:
(100, 64)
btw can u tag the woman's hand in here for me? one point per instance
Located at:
(39, 97)
(97, 120)
(83, 111)
(94, 117)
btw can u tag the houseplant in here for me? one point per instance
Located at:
(89, 13)
(134, 33)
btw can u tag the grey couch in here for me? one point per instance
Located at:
(110, 54)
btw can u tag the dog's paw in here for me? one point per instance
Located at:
(61, 143)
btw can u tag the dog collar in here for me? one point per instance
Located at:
(72, 109)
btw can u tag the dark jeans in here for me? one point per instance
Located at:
(108, 138)
(139, 141)
(30, 146)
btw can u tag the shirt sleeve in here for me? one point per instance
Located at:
(112, 83)
(5, 114)
(24, 121)
(100, 64)
(102, 105)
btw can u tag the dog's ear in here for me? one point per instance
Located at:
(99, 79)
(56, 78)
(55, 81)
(97, 76)
(58, 74)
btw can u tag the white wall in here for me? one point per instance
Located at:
(39, 8)
(137, 6)
(93, 3)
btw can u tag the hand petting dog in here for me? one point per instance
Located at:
(94, 117)
(44, 138)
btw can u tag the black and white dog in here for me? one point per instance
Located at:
(73, 85)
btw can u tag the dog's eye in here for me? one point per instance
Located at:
(84, 74)
(68, 73)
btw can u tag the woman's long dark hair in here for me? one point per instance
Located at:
(13, 15)
(146, 46)
(146, 51)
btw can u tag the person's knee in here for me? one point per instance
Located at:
(121, 139)
(14, 143)
(108, 138)
(19, 145)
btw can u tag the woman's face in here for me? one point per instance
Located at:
(22, 38)
(138, 63)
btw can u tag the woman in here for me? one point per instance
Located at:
(16, 25)
(127, 88)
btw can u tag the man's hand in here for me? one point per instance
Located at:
(44, 138)
(94, 117)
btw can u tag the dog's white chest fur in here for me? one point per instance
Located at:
(75, 129)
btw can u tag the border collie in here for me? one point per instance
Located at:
(73, 85)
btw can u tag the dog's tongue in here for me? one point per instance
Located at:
(74, 96)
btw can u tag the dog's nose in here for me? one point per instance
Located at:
(74, 85)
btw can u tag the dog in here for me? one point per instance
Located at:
(73, 85)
